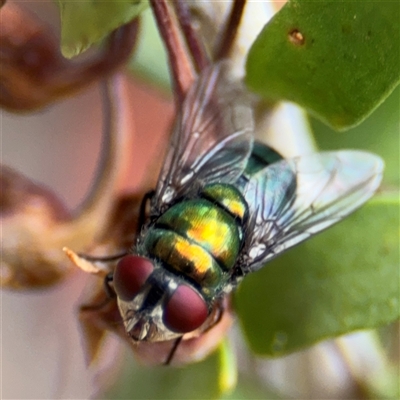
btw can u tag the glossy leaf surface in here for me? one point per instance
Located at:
(339, 60)
(341, 280)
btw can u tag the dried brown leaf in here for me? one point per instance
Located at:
(30, 215)
(36, 225)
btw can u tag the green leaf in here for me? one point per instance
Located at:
(339, 60)
(345, 279)
(379, 134)
(250, 386)
(208, 379)
(84, 23)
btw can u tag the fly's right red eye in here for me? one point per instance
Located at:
(130, 275)
(185, 311)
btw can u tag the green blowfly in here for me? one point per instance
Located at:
(224, 206)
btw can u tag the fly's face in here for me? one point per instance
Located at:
(154, 305)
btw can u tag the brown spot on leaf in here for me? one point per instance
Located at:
(296, 37)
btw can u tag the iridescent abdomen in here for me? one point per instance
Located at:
(200, 238)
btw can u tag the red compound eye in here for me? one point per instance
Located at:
(130, 275)
(185, 311)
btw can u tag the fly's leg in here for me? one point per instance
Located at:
(110, 292)
(109, 277)
(108, 288)
(104, 260)
(110, 295)
(142, 212)
(93, 264)
(173, 350)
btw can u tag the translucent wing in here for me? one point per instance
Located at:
(292, 200)
(212, 137)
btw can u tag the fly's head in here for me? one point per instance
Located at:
(154, 304)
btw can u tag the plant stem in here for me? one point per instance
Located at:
(180, 62)
(195, 45)
(226, 39)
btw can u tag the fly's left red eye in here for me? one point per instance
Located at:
(130, 275)
(185, 311)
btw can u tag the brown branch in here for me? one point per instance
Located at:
(224, 44)
(197, 50)
(181, 65)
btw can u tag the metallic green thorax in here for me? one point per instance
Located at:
(200, 239)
